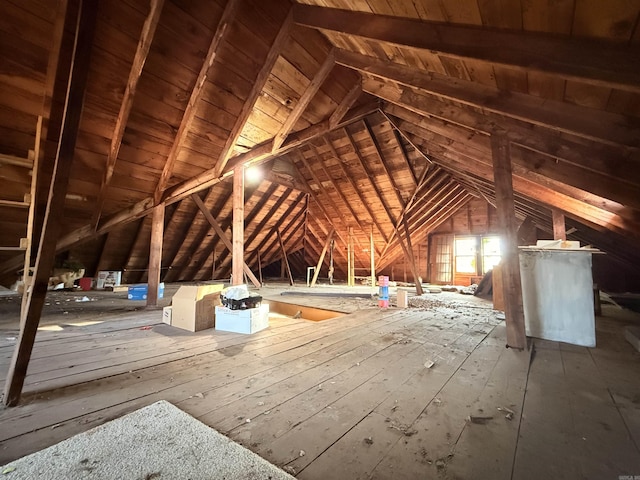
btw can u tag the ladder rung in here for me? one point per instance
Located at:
(12, 249)
(14, 160)
(13, 203)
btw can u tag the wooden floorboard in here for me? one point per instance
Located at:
(353, 397)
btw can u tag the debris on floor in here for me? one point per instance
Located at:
(479, 419)
(508, 412)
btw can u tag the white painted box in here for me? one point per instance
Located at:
(242, 321)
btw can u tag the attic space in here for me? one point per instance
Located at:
(361, 238)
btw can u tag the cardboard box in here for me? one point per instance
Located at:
(108, 279)
(242, 321)
(139, 292)
(194, 306)
(166, 315)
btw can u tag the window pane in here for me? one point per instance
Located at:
(491, 246)
(466, 246)
(488, 262)
(466, 264)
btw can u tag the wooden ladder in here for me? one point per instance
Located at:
(29, 163)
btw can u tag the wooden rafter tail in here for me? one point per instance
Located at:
(190, 112)
(142, 51)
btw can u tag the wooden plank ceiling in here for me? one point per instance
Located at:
(362, 114)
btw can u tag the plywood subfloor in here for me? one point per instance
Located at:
(350, 397)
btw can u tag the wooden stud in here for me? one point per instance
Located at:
(259, 267)
(408, 252)
(373, 260)
(285, 260)
(559, 228)
(305, 100)
(220, 232)
(144, 45)
(30, 317)
(238, 226)
(591, 61)
(155, 255)
(321, 259)
(510, 265)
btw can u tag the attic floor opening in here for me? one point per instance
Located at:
(420, 392)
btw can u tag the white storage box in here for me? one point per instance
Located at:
(166, 315)
(108, 279)
(242, 321)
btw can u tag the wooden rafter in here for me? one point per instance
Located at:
(142, 51)
(322, 254)
(589, 206)
(190, 112)
(527, 186)
(305, 100)
(369, 176)
(320, 162)
(30, 317)
(270, 244)
(352, 182)
(593, 61)
(582, 176)
(557, 115)
(278, 224)
(603, 159)
(258, 84)
(345, 104)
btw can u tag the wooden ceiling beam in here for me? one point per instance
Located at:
(305, 100)
(597, 62)
(142, 51)
(190, 112)
(345, 104)
(256, 90)
(260, 153)
(596, 125)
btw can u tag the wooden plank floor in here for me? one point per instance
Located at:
(350, 397)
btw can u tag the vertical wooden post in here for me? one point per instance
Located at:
(284, 257)
(213, 264)
(321, 259)
(155, 254)
(512, 286)
(30, 317)
(352, 259)
(348, 259)
(559, 229)
(237, 259)
(408, 256)
(373, 261)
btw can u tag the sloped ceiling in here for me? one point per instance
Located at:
(367, 115)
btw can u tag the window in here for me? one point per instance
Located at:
(490, 253)
(466, 254)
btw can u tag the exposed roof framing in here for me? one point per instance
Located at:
(599, 63)
(366, 114)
